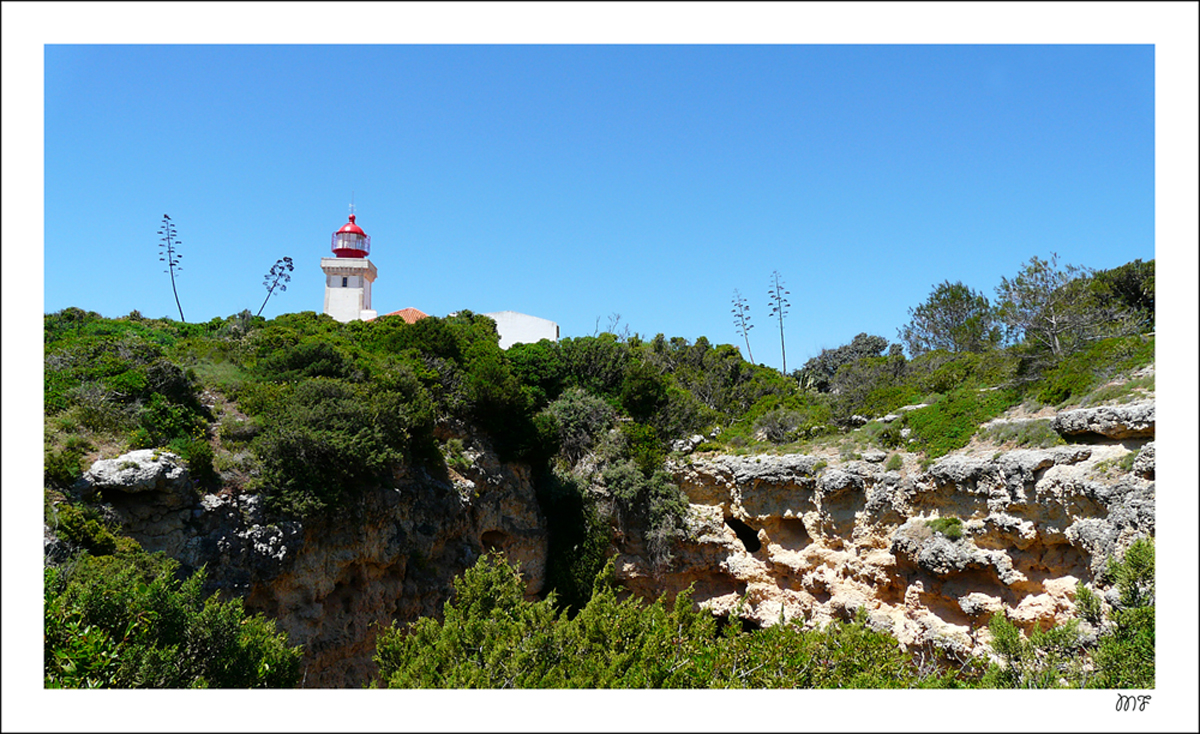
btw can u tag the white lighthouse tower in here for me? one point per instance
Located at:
(349, 274)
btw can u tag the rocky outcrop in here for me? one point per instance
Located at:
(1133, 420)
(331, 581)
(790, 537)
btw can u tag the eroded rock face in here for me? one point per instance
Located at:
(330, 582)
(1133, 420)
(797, 539)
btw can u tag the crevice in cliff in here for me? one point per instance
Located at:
(493, 540)
(745, 533)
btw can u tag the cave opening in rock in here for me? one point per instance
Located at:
(493, 540)
(745, 533)
(746, 625)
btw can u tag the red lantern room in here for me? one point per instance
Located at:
(351, 241)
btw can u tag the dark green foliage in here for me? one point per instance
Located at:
(597, 364)
(127, 621)
(578, 419)
(955, 318)
(643, 391)
(870, 386)
(82, 526)
(1125, 657)
(1059, 311)
(648, 499)
(1133, 575)
(1046, 659)
(62, 467)
(198, 454)
(540, 369)
(326, 439)
(1077, 374)
(492, 638)
(779, 425)
(951, 527)
(163, 421)
(1087, 604)
(579, 538)
(1122, 657)
(820, 370)
(1128, 288)
(310, 358)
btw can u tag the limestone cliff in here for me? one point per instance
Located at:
(331, 581)
(792, 536)
(811, 537)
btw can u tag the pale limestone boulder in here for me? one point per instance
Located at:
(145, 470)
(1131, 420)
(1143, 465)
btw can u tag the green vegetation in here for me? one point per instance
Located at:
(311, 413)
(1121, 657)
(951, 527)
(955, 318)
(492, 638)
(123, 620)
(1023, 434)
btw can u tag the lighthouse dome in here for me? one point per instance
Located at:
(351, 241)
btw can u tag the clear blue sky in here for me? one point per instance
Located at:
(576, 182)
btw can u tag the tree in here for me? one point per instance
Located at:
(954, 318)
(169, 253)
(1054, 309)
(1128, 287)
(278, 277)
(779, 306)
(820, 370)
(741, 320)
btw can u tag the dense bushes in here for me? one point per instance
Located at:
(126, 621)
(323, 439)
(492, 638)
(1122, 656)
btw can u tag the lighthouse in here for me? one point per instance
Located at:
(349, 274)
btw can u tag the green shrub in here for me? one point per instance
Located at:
(1049, 658)
(1032, 433)
(578, 419)
(490, 637)
(951, 527)
(164, 421)
(83, 526)
(125, 621)
(328, 439)
(198, 454)
(779, 425)
(1075, 375)
(62, 467)
(894, 463)
(949, 425)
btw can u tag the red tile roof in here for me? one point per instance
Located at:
(410, 315)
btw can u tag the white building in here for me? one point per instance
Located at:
(349, 275)
(521, 328)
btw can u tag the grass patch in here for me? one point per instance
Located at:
(1023, 434)
(951, 527)
(950, 424)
